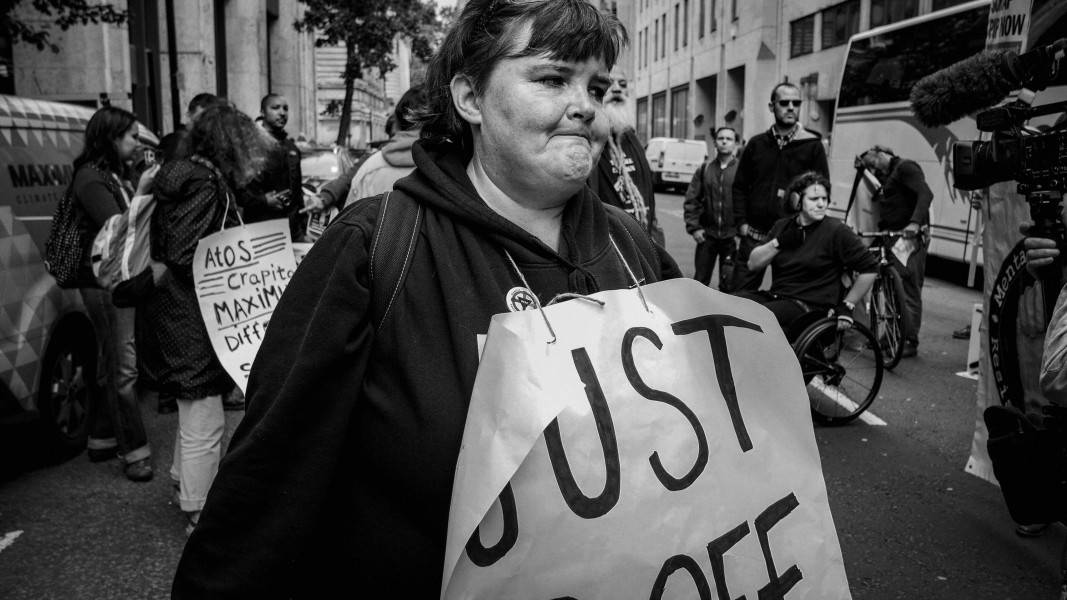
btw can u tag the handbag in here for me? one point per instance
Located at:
(67, 241)
(1029, 456)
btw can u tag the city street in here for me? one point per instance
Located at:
(911, 522)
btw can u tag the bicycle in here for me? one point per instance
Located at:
(842, 368)
(888, 319)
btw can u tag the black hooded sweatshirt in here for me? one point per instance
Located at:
(338, 480)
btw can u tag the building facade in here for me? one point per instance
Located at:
(239, 49)
(700, 64)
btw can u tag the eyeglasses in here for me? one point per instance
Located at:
(786, 103)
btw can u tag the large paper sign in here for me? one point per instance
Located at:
(239, 275)
(1008, 25)
(660, 453)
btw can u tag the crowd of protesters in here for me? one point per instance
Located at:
(469, 150)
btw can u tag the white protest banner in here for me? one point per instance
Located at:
(1008, 25)
(642, 454)
(239, 274)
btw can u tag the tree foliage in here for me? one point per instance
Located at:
(368, 28)
(66, 14)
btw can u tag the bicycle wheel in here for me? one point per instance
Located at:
(888, 317)
(842, 370)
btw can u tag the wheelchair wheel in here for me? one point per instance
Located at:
(842, 370)
(887, 315)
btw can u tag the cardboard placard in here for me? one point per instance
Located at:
(647, 454)
(239, 275)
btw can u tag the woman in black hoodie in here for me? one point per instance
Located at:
(338, 481)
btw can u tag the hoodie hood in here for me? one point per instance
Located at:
(440, 180)
(398, 151)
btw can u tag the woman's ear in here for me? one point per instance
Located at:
(465, 100)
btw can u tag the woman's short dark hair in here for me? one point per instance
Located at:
(105, 127)
(485, 33)
(229, 139)
(804, 181)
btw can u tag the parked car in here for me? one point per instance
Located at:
(674, 160)
(48, 348)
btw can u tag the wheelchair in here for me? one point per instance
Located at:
(842, 370)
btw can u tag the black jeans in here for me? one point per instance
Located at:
(708, 252)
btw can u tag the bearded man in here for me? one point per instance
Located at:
(623, 177)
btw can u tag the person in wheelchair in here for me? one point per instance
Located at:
(809, 254)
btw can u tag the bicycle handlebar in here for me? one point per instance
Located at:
(879, 234)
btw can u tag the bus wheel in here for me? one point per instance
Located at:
(64, 398)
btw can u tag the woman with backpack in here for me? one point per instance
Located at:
(100, 191)
(222, 150)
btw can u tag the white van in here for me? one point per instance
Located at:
(48, 349)
(674, 160)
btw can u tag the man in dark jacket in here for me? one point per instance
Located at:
(709, 211)
(904, 204)
(623, 177)
(770, 161)
(276, 192)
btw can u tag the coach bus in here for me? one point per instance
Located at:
(881, 67)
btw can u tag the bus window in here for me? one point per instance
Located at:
(883, 68)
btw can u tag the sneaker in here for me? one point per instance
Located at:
(1031, 531)
(962, 334)
(910, 350)
(193, 518)
(139, 470)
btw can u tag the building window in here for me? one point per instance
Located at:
(659, 115)
(646, 46)
(685, 24)
(655, 40)
(840, 23)
(677, 22)
(714, 17)
(642, 119)
(700, 21)
(884, 12)
(679, 111)
(802, 36)
(663, 37)
(733, 10)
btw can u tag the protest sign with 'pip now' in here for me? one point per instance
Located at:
(239, 275)
(659, 453)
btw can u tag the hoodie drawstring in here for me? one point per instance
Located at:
(571, 295)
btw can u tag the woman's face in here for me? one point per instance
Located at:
(540, 125)
(127, 143)
(813, 204)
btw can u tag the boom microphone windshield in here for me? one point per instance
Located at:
(981, 81)
(957, 90)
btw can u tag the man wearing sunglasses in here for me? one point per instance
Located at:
(769, 162)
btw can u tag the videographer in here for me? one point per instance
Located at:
(1041, 253)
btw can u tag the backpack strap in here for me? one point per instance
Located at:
(395, 234)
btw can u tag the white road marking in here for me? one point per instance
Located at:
(845, 402)
(8, 539)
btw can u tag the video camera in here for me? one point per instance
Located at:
(1038, 161)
